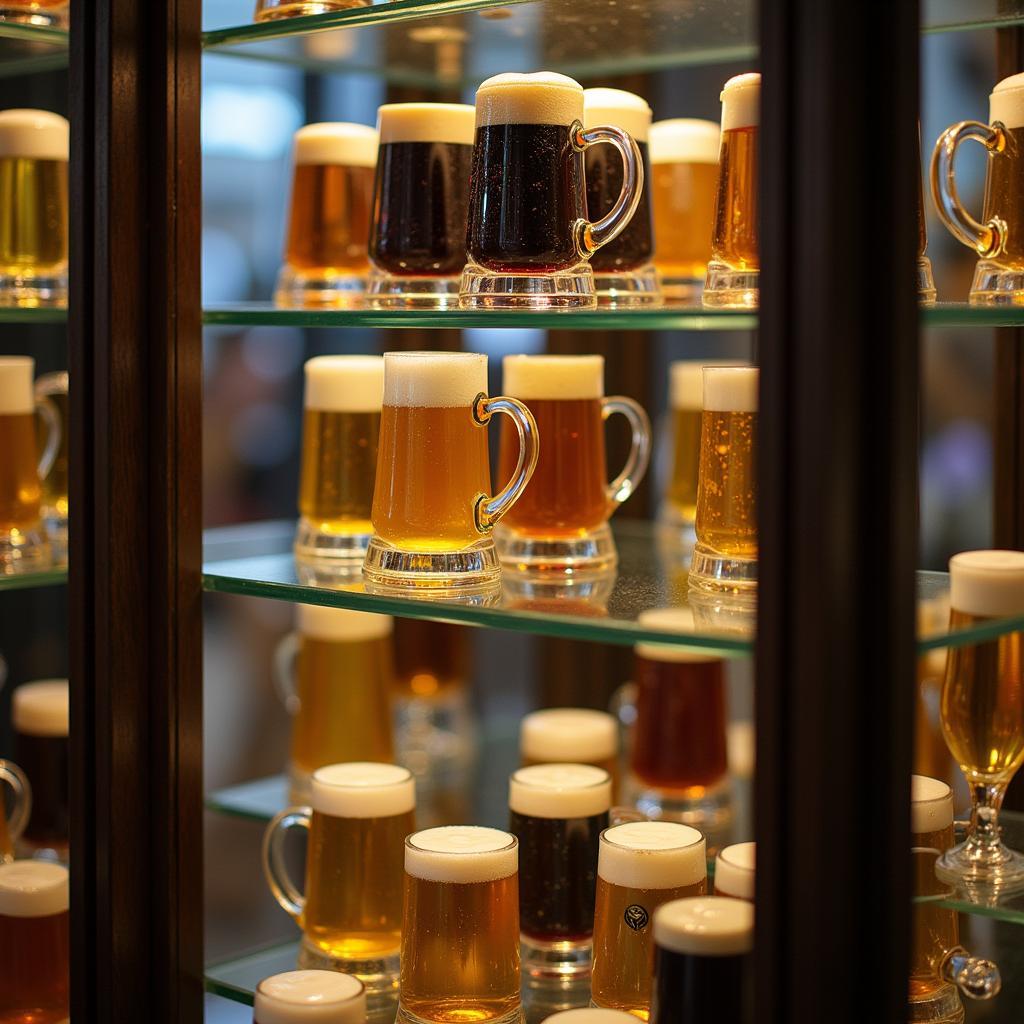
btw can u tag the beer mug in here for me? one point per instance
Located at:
(274, 10)
(33, 208)
(735, 868)
(732, 280)
(351, 912)
(999, 275)
(50, 13)
(725, 556)
(24, 546)
(34, 940)
(624, 273)
(460, 928)
(433, 512)
(52, 390)
(561, 522)
(684, 177)
(580, 735)
(340, 431)
(325, 260)
(11, 828)
(334, 674)
(421, 195)
(310, 997)
(529, 241)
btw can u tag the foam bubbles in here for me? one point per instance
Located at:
(41, 708)
(568, 734)
(541, 98)
(363, 789)
(591, 1015)
(686, 381)
(730, 388)
(741, 102)
(672, 620)
(560, 791)
(462, 854)
(341, 624)
(735, 870)
(1006, 103)
(336, 143)
(34, 134)
(931, 804)
(434, 379)
(453, 123)
(685, 140)
(33, 888)
(617, 108)
(989, 583)
(16, 397)
(705, 926)
(310, 997)
(553, 377)
(652, 855)
(345, 383)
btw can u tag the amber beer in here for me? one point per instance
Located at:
(310, 997)
(735, 868)
(580, 735)
(734, 233)
(460, 929)
(34, 942)
(274, 10)
(35, 12)
(641, 866)
(20, 487)
(432, 659)
(54, 388)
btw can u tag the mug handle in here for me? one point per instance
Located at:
(488, 510)
(10, 831)
(284, 672)
(639, 453)
(591, 235)
(986, 239)
(274, 869)
(48, 385)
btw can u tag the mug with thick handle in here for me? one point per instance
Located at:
(21, 809)
(529, 240)
(999, 238)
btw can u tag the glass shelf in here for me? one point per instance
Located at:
(29, 49)
(12, 315)
(255, 560)
(25, 581)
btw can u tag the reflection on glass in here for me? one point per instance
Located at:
(580, 735)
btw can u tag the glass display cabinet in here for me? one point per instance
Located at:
(164, 841)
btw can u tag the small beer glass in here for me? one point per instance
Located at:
(49, 13)
(310, 997)
(558, 812)
(340, 431)
(460, 927)
(274, 10)
(735, 871)
(999, 239)
(529, 241)
(12, 828)
(351, 912)
(624, 273)
(335, 675)
(725, 556)
(561, 522)
(580, 735)
(33, 208)
(433, 512)
(34, 940)
(733, 275)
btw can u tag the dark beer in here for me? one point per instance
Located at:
(40, 719)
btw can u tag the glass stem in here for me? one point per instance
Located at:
(983, 840)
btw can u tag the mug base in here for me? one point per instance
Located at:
(996, 285)
(982, 879)
(560, 959)
(715, 571)
(925, 282)
(25, 551)
(703, 807)
(272, 10)
(684, 291)
(568, 289)
(726, 287)
(39, 18)
(593, 551)
(326, 558)
(34, 291)
(943, 1006)
(379, 975)
(406, 1016)
(439, 571)
(583, 594)
(302, 289)
(387, 291)
(629, 289)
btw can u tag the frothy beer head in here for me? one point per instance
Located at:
(437, 380)
(316, 997)
(41, 708)
(16, 396)
(686, 381)
(341, 625)
(363, 789)
(1006, 103)
(336, 143)
(461, 854)
(734, 870)
(987, 583)
(345, 383)
(931, 804)
(33, 135)
(730, 388)
(33, 888)
(452, 123)
(741, 102)
(652, 855)
(685, 140)
(671, 620)
(573, 734)
(705, 926)
(618, 108)
(560, 791)
(591, 1015)
(553, 377)
(541, 98)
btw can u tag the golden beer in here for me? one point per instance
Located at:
(20, 486)
(274, 10)
(460, 931)
(735, 871)
(935, 928)
(54, 387)
(306, 997)
(641, 865)
(734, 235)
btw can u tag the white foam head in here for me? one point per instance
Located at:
(461, 853)
(541, 98)
(672, 620)
(33, 888)
(560, 791)
(617, 108)
(1006, 103)
(685, 140)
(341, 624)
(336, 143)
(41, 708)
(453, 123)
(434, 379)
(741, 102)
(931, 804)
(345, 383)
(34, 134)
(652, 855)
(553, 377)
(363, 789)
(16, 397)
(568, 734)
(705, 926)
(686, 381)
(734, 870)
(591, 1015)
(987, 582)
(730, 388)
(310, 997)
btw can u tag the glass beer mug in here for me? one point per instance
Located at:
(274, 10)
(529, 241)
(310, 997)
(999, 275)
(433, 511)
(13, 826)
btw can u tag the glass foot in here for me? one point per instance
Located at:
(593, 551)
(925, 282)
(312, 542)
(629, 289)
(942, 1006)
(716, 571)
(982, 870)
(563, 958)
(728, 288)
(474, 567)
(467, 1013)
(378, 974)
(568, 289)
(24, 551)
(585, 594)
(57, 18)
(307, 289)
(995, 285)
(34, 291)
(704, 807)
(271, 10)
(385, 291)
